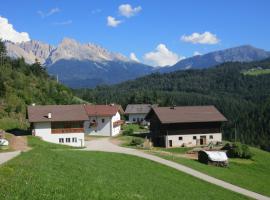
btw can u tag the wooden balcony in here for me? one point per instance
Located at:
(67, 130)
(118, 123)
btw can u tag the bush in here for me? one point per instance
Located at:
(246, 153)
(238, 150)
(136, 141)
(129, 131)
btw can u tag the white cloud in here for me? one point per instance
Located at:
(203, 38)
(7, 32)
(67, 22)
(197, 53)
(162, 56)
(111, 21)
(127, 10)
(49, 13)
(133, 57)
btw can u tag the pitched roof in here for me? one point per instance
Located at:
(188, 114)
(102, 110)
(58, 113)
(138, 108)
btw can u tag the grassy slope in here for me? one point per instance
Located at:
(251, 174)
(257, 72)
(54, 172)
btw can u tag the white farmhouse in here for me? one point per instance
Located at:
(62, 124)
(104, 120)
(137, 112)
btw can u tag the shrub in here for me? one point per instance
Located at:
(246, 153)
(238, 150)
(142, 126)
(129, 131)
(227, 147)
(136, 141)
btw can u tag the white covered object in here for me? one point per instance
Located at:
(3, 142)
(217, 156)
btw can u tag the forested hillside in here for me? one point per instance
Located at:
(244, 99)
(21, 85)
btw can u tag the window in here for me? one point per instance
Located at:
(180, 138)
(67, 140)
(134, 119)
(74, 139)
(194, 138)
(61, 140)
(211, 137)
(103, 120)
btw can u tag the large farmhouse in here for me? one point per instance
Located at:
(137, 112)
(104, 120)
(185, 125)
(62, 124)
(68, 124)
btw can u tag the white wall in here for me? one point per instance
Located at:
(115, 130)
(188, 140)
(103, 128)
(43, 130)
(135, 116)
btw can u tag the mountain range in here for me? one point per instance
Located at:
(87, 65)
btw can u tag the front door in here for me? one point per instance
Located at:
(170, 143)
(202, 140)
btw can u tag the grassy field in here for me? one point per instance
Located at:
(256, 72)
(51, 171)
(250, 174)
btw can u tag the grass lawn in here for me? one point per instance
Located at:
(181, 150)
(51, 171)
(250, 174)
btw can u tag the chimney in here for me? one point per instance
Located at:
(49, 115)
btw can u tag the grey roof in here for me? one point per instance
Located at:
(58, 113)
(187, 114)
(138, 108)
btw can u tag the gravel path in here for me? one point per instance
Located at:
(104, 144)
(4, 157)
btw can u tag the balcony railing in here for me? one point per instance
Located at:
(67, 130)
(118, 123)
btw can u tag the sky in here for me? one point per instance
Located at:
(155, 32)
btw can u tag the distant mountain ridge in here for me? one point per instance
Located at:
(244, 53)
(88, 65)
(79, 65)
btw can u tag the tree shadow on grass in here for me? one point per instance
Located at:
(19, 132)
(141, 135)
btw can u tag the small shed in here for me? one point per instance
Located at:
(217, 158)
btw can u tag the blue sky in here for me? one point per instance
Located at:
(169, 24)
